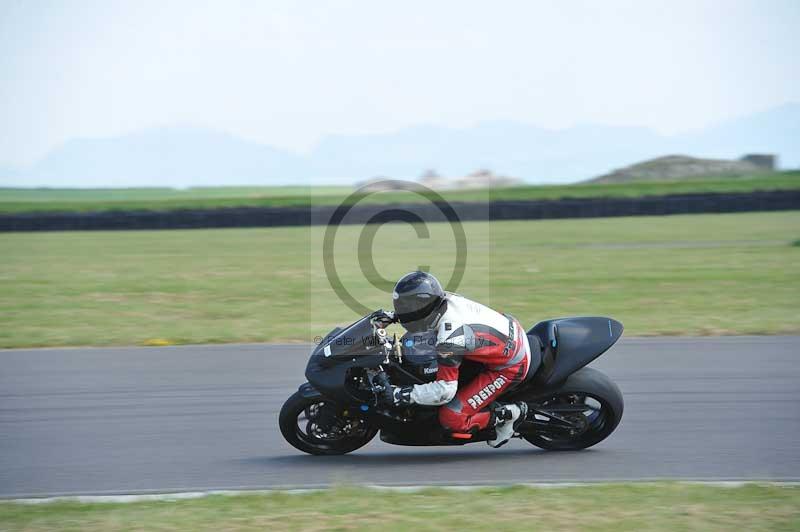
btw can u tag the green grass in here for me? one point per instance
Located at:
(692, 275)
(614, 507)
(38, 195)
(31, 200)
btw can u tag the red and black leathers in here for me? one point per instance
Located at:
(471, 331)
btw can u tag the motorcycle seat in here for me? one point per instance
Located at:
(536, 355)
(543, 353)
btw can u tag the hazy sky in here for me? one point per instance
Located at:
(287, 73)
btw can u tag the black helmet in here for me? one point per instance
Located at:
(418, 301)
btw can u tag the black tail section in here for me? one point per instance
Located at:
(568, 344)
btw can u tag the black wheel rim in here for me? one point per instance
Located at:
(571, 418)
(327, 427)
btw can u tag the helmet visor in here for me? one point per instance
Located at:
(414, 309)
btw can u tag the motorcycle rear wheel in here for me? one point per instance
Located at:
(318, 427)
(590, 400)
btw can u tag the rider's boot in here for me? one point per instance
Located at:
(508, 418)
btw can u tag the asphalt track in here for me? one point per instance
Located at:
(137, 420)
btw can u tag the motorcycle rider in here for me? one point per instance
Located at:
(464, 329)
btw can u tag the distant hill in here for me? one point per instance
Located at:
(184, 156)
(178, 157)
(676, 167)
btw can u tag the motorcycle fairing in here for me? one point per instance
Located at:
(358, 338)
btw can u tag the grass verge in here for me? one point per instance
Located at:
(40, 200)
(613, 507)
(690, 275)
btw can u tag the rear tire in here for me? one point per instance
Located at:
(298, 405)
(591, 387)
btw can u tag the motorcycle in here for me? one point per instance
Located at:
(570, 406)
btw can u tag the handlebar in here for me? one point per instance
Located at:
(384, 317)
(380, 383)
(382, 379)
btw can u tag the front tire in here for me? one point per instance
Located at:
(316, 426)
(603, 411)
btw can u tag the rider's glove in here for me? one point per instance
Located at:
(396, 395)
(401, 395)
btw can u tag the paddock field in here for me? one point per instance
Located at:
(688, 275)
(46, 199)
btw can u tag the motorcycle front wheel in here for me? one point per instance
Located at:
(316, 426)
